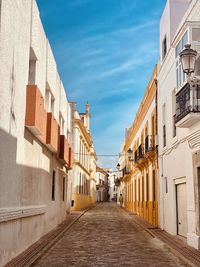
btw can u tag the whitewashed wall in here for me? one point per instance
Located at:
(26, 165)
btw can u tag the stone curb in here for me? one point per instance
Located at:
(30, 256)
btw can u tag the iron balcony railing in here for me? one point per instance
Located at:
(135, 155)
(139, 153)
(126, 170)
(187, 101)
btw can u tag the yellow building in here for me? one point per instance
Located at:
(84, 168)
(140, 160)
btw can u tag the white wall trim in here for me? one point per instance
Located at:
(180, 180)
(8, 214)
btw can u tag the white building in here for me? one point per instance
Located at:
(35, 132)
(121, 165)
(178, 125)
(101, 184)
(112, 176)
(84, 168)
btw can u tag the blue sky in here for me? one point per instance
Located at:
(105, 51)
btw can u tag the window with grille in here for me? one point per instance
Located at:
(180, 76)
(164, 48)
(53, 186)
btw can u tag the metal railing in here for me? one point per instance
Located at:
(126, 170)
(187, 101)
(139, 153)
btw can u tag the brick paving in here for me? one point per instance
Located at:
(32, 253)
(108, 236)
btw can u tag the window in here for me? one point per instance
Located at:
(53, 186)
(164, 48)
(164, 126)
(180, 76)
(63, 196)
(79, 184)
(174, 125)
(198, 181)
(147, 187)
(142, 188)
(154, 185)
(32, 67)
(135, 190)
(196, 34)
(49, 101)
(166, 185)
(164, 135)
(62, 125)
(153, 130)
(196, 46)
(138, 189)
(173, 114)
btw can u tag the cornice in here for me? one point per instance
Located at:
(82, 167)
(148, 98)
(86, 135)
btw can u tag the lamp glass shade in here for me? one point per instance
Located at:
(118, 166)
(188, 59)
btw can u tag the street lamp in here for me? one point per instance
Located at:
(118, 166)
(188, 59)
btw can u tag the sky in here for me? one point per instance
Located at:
(105, 52)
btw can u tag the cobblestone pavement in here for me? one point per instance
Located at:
(108, 236)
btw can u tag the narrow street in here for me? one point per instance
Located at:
(108, 236)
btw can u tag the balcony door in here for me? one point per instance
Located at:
(181, 197)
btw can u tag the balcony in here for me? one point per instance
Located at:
(139, 153)
(65, 153)
(126, 170)
(187, 106)
(52, 132)
(36, 116)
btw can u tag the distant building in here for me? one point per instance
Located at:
(119, 182)
(84, 168)
(112, 176)
(102, 185)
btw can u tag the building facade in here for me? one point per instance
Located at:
(112, 191)
(35, 132)
(179, 124)
(138, 161)
(119, 182)
(84, 168)
(102, 185)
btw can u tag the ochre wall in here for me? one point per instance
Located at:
(82, 202)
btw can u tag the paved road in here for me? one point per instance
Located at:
(108, 236)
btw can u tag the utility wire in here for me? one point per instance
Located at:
(100, 155)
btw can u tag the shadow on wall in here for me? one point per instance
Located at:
(25, 186)
(20, 184)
